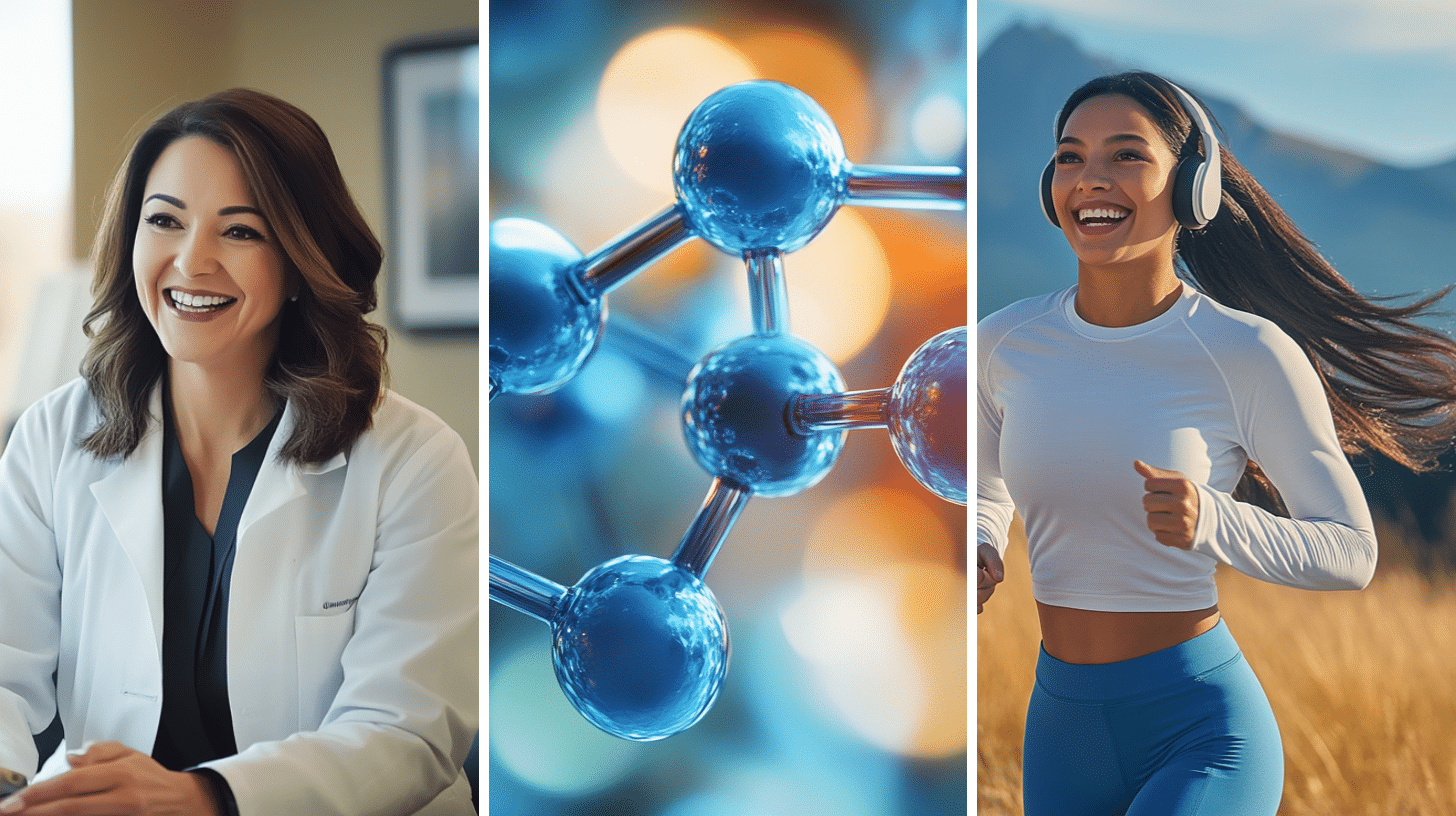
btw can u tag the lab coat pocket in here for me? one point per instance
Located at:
(321, 641)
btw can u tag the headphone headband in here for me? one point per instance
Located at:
(1197, 185)
(1208, 184)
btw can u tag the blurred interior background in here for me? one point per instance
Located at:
(846, 693)
(90, 75)
(82, 79)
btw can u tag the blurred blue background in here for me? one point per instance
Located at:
(846, 692)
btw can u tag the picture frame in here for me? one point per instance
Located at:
(431, 118)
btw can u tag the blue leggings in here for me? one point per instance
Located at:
(1181, 732)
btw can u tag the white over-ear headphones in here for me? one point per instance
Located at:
(1197, 183)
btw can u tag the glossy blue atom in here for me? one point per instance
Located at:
(640, 647)
(735, 414)
(927, 416)
(542, 325)
(759, 165)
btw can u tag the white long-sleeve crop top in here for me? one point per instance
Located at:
(1065, 407)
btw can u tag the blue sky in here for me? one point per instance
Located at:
(1377, 77)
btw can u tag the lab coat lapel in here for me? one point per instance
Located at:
(131, 500)
(260, 698)
(279, 483)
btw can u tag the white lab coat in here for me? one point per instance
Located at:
(352, 646)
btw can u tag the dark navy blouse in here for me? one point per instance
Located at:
(196, 724)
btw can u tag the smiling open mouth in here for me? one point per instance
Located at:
(198, 304)
(1101, 216)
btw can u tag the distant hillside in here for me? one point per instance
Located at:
(1388, 230)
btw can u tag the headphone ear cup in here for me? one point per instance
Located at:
(1048, 206)
(1186, 194)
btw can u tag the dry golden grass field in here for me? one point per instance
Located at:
(1363, 685)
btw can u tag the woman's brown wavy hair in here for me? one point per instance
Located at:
(330, 362)
(1390, 381)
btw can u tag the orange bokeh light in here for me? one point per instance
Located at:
(645, 95)
(824, 70)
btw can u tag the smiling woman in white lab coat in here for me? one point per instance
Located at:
(243, 571)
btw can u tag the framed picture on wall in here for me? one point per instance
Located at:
(432, 178)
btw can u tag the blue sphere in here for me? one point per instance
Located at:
(927, 417)
(759, 165)
(640, 647)
(735, 414)
(542, 324)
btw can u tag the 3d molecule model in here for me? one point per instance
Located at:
(640, 645)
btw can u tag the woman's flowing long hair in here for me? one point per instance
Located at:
(1390, 381)
(330, 362)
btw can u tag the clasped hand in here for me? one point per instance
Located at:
(1171, 502)
(110, 778)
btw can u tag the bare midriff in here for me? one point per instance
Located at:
(1086, 637)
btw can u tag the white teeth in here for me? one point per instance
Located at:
(1101, 214)
(190, 302)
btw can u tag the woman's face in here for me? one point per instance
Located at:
(1112, 185)
(210, 276)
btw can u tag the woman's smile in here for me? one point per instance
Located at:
(196, 305)
(1096, 218)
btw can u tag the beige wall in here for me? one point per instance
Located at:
(135, 59)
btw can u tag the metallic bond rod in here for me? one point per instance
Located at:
(832, 412)
(522, 590)
(767, 291)
(906, 187)
(710, 527)
(628, 253)
(649, 349)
